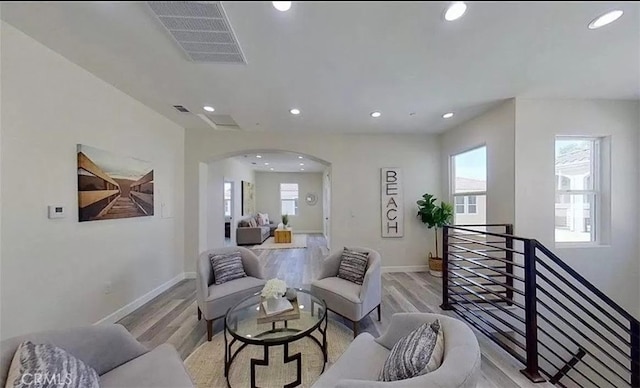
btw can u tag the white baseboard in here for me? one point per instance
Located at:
(131, 307)
(405, 268)
(295, 231)
(189, 275)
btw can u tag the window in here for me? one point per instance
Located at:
(460, 205)
(469, 186)
(227, 199)
(466, 204)
(289, 198)
(577, 164)
(472, 206)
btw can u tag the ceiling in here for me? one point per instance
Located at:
(280, 162)
(339, 61)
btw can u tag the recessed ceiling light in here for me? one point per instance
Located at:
(266, 164)
(376, 114)
(302, 164)
(302, 169)
(208, 108)
(271, 169)
(281, 6)
(605, 19)
(258, 156)
(300, 157)
(455, 11)
(294, 111)
(447, 115)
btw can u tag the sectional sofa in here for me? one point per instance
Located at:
(247, 235)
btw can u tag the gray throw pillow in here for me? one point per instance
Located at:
(353, 265)
(227, 267)
(415, 354)
(48, 366)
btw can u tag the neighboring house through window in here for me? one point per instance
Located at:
(469, 186)
(289, 198)
(467, 204)
(577, 170)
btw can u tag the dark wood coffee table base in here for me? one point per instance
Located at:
(230, 355)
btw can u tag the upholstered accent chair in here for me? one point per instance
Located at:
(460, 366)
(348, 299)
(118, 358)
(215, 299)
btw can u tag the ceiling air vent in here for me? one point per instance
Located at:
(181, 108)
(202, 30)
(220, 122)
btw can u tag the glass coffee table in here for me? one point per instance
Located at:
(241, 324)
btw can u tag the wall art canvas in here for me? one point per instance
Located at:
(248, 199)
(112, 186)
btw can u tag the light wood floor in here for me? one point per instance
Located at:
(172, 316)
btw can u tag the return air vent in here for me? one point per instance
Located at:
(220, 122)
(181, 108)
(201, 28)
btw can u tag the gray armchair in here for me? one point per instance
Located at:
(460, 367)
(348, 299)
(118, 358)
(214, 300)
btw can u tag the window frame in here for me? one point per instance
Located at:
(296, 208)
(452, 184)
(227, 201)
(595, 192)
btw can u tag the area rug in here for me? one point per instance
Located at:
(298, 241)
(206, 363)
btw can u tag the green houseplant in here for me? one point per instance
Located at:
(285, 220)
(434, 216)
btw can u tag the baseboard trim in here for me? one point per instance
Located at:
(307, 231)
(405, 268)
(189, 275)
(131, 307)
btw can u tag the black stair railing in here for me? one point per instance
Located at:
(539, 309)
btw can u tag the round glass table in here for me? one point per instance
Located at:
(246, 324)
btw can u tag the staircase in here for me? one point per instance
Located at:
(537, 308)
(123, 208)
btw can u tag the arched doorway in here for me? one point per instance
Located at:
(214, 173)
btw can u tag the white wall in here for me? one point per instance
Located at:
(309, 218)
(495, 129)
(54, 271)
(614, 268)
(355, 186)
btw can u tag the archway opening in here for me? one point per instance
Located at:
(240, 185)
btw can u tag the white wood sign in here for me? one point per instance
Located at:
(391, 202)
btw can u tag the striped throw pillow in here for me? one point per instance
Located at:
(416, 354)
(353, 265)
(227, 267)
(48, 366)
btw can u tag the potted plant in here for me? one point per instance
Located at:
(285, 221)
(435, 217)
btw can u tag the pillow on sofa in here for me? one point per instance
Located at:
(243, 224)
(253, 223)
(415, 354)
(263, 219)
(227, 267)
(55, 366)
(353, 265)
